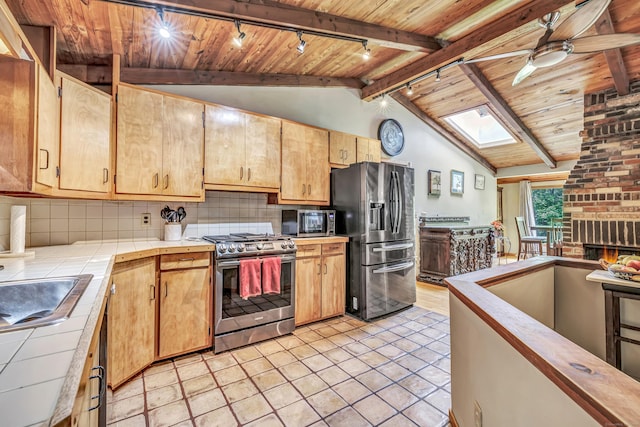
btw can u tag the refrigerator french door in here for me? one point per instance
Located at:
(374, 207)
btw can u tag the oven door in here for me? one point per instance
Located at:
(233, 313)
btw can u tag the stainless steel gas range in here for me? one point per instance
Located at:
(259, 260)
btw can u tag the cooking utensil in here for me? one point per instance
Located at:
(181, 214)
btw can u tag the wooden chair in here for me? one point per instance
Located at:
(554, 238)
(528, 244)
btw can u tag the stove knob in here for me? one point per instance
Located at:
(240, 247)
(292, 244)
(232, 248)
(284, 245)
(259, 246)
(222, 248)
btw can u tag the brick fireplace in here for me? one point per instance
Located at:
(602, 193)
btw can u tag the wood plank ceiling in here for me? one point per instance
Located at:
(405, 36)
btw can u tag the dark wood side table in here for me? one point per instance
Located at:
(612, 295)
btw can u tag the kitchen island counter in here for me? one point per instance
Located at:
(40, 368)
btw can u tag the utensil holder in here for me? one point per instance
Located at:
(172, 231)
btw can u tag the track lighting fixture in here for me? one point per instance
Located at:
(438, 75)
(302, 43)
(367, 52)
(409, 89)
(241, 35)
(164, 30)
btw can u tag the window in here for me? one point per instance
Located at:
(547, 204)
(480, 127)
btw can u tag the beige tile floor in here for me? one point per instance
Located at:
(339, 372)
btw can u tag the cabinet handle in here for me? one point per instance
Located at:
(153, 292)
(346, 154)
(319, 269)
(166, 289)
(325, 269)
(309, 191)
(105, 175)
(47, 158)
(100, 395)
(304, 188)
(155, 180)
(341, 154)
(187, 259)
(166, 181)
(248, 174)
(241, 172)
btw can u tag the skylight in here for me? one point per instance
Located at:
(480, 127)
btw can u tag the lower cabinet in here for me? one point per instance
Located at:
(132, 314)
(320, 281)
(185, 303)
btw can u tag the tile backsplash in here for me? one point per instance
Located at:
(62, 221)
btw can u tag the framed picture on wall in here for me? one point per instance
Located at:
(457, 182)
(434, 179)
(479, 182)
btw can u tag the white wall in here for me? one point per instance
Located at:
(342, 110)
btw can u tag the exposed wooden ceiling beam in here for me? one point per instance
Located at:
(556, 176)
(506, 113)
(275, 13)
(413, 108)
(457, 49)
(101, 74)
(614, 56)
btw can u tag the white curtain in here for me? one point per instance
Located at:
(526, 206)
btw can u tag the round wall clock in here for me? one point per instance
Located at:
(392, 137)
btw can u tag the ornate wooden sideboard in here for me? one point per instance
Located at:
(451, 250)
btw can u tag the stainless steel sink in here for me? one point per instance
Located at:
(39, 302)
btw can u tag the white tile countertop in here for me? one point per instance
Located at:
(40, 367)
(602, 276)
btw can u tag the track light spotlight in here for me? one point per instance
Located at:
(438, 75)
(367, 52)
(240, 37)
(302, 43)
(164, 30)
(383, 102)
(409, 89)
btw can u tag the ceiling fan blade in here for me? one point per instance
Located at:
(500, 56)
(525, 72)
(592, 44)
(580, 20)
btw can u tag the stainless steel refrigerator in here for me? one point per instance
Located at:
(374, 207)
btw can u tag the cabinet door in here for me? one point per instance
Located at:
(262, 151)
(224, 146)
(131, 317)
(342, 148)
(294, 162)
(333, 285)
(139, 141)
(374, 150)
(308, 290)
(89, 387)
(182, 147)
(85, 137)
(48, 131)
(318, 169)
(185, 311)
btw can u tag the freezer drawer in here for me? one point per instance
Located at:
(389, 287)
(386, 252)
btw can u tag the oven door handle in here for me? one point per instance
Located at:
(396, 267)
(231, 263)
(393, 247)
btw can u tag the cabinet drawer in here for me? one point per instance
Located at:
(186, 260)
(309, 250)
(332, 248)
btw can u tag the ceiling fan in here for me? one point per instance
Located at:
(555, 45)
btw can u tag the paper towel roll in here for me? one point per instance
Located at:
(18, 228)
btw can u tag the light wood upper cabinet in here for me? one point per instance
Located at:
(160, 143)
(305, 164)
(48, 166)
(131, 319)
(85, 137)
(241, 149)
(368, 150)
(342, 148)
